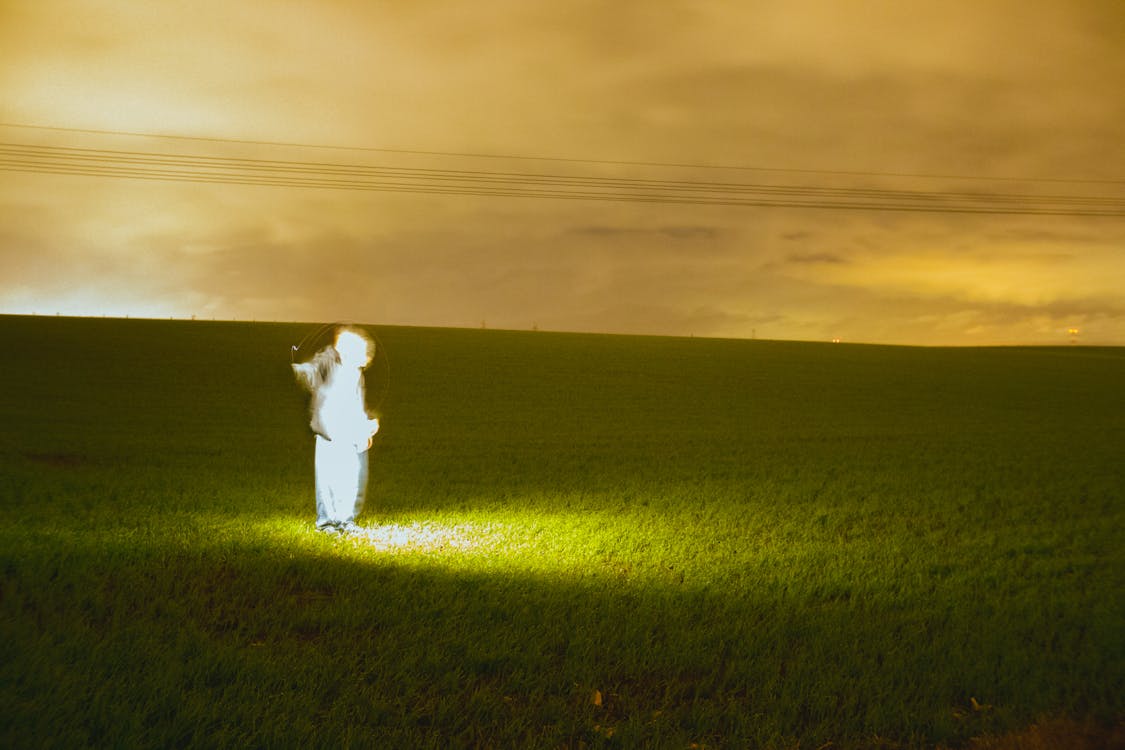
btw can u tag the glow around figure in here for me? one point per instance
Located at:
(343, 428)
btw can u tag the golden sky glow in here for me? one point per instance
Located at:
(986, 90)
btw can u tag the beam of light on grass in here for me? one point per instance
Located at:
(422, 537)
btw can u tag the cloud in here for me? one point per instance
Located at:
(815, 258)
(770, 86)
(668, 232)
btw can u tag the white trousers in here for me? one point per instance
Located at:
(341, 482)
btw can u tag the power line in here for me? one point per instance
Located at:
(180, 167)
(324, 168)
(564, 159)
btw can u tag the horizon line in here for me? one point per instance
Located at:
(1072, 343)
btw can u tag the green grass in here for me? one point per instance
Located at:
(577, 541)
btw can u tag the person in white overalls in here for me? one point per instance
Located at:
(343, 427)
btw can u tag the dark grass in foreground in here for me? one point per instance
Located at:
(573, 540)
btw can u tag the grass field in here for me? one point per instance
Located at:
(574, 541)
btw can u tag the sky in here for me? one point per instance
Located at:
(984, 99)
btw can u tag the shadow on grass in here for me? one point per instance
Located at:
(261, 633)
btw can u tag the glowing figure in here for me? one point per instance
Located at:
(342, 426)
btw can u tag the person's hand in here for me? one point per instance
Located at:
(373, 426)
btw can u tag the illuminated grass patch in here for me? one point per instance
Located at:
(421, 537)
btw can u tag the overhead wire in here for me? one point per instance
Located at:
(184, 167)
(563, 159)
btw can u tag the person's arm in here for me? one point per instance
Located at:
(305, 374)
